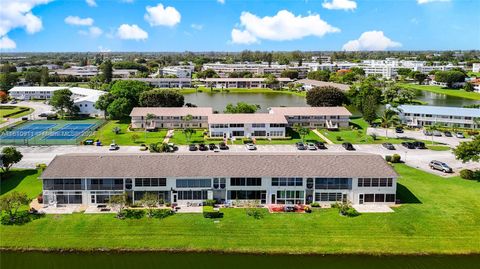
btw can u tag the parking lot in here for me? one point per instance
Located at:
(413, 157)
(418, 135)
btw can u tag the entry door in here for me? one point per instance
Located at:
(174, 197)
(273, 199)
(360, 199)
(93, 200)
(263, 198)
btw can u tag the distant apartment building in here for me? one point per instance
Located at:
(183, 71)
(83, 98)
(261, 125)
(418, 116)
(235, 178)
(224, 70)
(164, 82)
(244, 83)
(91, 71)
(314, 117)
(476, 67)
(308, 84)
(170, 117)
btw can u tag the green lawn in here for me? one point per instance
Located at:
(7, 110)
(440, 90)
(22, 181)
(440, 216)
(107, 136)
(358, 135)
(438, 147)
(180, 139)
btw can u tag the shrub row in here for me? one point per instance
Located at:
(22, 109)
(140, 213)
(395, 158)
(470, 174)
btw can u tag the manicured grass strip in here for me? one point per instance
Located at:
(124, 137)
(7, 111)
(438, 148)
(22, 181)
(439, 216)
(437, 89)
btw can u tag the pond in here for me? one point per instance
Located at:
(219, 100)
(159, 260)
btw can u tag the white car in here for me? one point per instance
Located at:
(311, 146)
(459, 135)
(114, 147)
(250, 146)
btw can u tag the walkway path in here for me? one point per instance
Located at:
(328, 141)
(168, 135)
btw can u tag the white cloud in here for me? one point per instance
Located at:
(197, 27)
(340, 4)
(18, 14)
(371, 40)
(158, 15)
(75, 20)
(283, 26)
(93, 31)
(126, 31)
(221, 1)
(91, 3)
(102, 49)
(7, 43)
(243, 37)
(430, 1)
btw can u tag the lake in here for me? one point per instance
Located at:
(160, 260)
(219, 100)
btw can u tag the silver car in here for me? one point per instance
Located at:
(441, 166)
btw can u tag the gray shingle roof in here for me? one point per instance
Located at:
(218, 165)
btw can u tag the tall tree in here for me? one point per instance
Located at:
(369, 107)
(63, 102)
(10, 156)
(301, 130)
(103, 102)
(12, 202)
(241, 107)
(44, 77)
(389, 118)
(107, 71)
(161, 98)
(326, 96)
(468, 151)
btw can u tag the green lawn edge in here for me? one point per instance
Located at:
(437, 89)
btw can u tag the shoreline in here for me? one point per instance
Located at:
(232, 252)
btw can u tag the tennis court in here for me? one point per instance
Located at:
(70, 131)
(27, 131)
(44, 132)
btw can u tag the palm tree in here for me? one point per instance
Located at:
(188, 132)
(388, 119)
(302, 131)
(148, 117)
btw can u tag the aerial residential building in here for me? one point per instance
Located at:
(314, 117)
(257, 125)
(476, 67)
(182, 71)
(308, 84)
(84, 98)
(418, 116)
(224, 70)
(244, 83)
(261, 125)
(275, 178)
(170, 117)
(91, 71)
(164, 82)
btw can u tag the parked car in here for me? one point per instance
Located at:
(202, 147)
(437, 165)
(419, 145)
(388, 146)
(399, 130)
(300, 146)
(437, 133)
(114, 147)
(460, 135)
(172, 147)
(250, 146)
(320, 145)
(427, 133)
(223, 146)
(348, 146)
(192, 147)
(408, 145)
(447, 134)
(13, 102)
(212, 146)
(311, 146)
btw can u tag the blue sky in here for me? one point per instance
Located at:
(235, 25)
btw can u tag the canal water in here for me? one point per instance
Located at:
(160, 260)
(220, 100)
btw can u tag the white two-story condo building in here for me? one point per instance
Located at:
(262, 125)
(418, 116)
(280, 178)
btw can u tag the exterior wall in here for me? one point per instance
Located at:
(318, 121)
(170, 122)
(219, 189)
(88, 108)
(227, 131)
(30, 95)
(428, 119)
